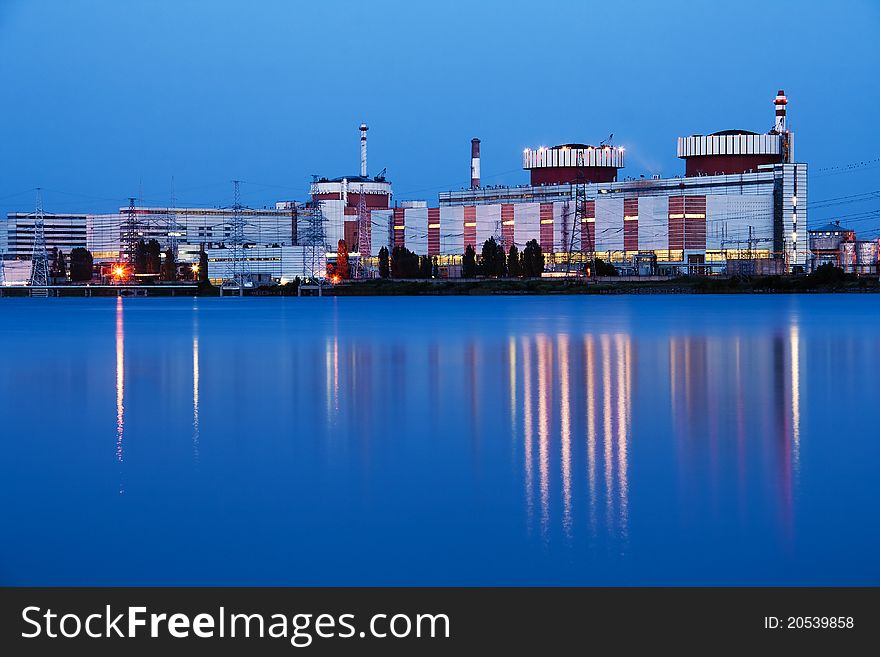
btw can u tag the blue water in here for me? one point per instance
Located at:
(479, 440)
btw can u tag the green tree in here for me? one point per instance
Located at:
(493, 259)
(342, 260)
(154, 257)
(469, 262)
(384, 268)
(602, 268)
(169, 267)
(426, 269)
(60, 267)
(514, 267)
(404, 263)
(533, 259)
(80, 265)
(140, 257)
(827, 274)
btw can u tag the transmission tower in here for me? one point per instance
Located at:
(576, 243)
(363, 234)
(571, 231)
(315, 241)
(40, 256)
(237, 271)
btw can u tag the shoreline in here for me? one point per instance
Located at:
(501, 286)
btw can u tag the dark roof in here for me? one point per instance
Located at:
(725, 133)
(829, 228)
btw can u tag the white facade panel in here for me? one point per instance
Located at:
(653, 223)
(452, 231)
(609, 224)
(488, 223)
(416, 232)
(527, 222)
(729, 217)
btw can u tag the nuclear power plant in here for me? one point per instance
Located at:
(739, 206)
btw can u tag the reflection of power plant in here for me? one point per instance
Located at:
(723, 419)
(567, 401)
(120, 385)
(575, 401)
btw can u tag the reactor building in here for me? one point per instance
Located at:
(742, 197)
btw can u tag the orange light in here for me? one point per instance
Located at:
(335, 279)
(119, 271)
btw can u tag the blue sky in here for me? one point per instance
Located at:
(104, 99)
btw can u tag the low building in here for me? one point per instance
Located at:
(63, 232)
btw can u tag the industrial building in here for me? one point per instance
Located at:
(106, 233)
(63, 232)
(835, 245)
(742, 197)
(739, 207)
(350, 202)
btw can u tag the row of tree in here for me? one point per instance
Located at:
(403, 263)
(148, 260)
(493, 262)
(80, 265)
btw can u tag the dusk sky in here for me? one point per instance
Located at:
(103, 99)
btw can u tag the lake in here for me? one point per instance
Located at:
(590, 440)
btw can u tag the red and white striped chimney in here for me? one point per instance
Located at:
(780, 102)
(475, 163)
(364, 150)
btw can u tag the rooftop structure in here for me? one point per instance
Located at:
(738, 151)
(573, 164)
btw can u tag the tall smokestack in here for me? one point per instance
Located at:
(780, 102)
(475, 163)
(364, 150)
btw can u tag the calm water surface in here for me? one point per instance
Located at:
(536, 440)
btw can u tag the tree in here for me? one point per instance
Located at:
(602, 268)
(514, 268)
(342, 260)
(533, 259)
(404, 263)
(169, 267)
(384, 269)
(426, 268)
(60, 267)
(80, 265)
(827, 274)
(140, 257)
(469, 262)
(203, 266)
(154, 257)
(493, 258)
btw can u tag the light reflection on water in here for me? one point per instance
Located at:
(506, 441)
